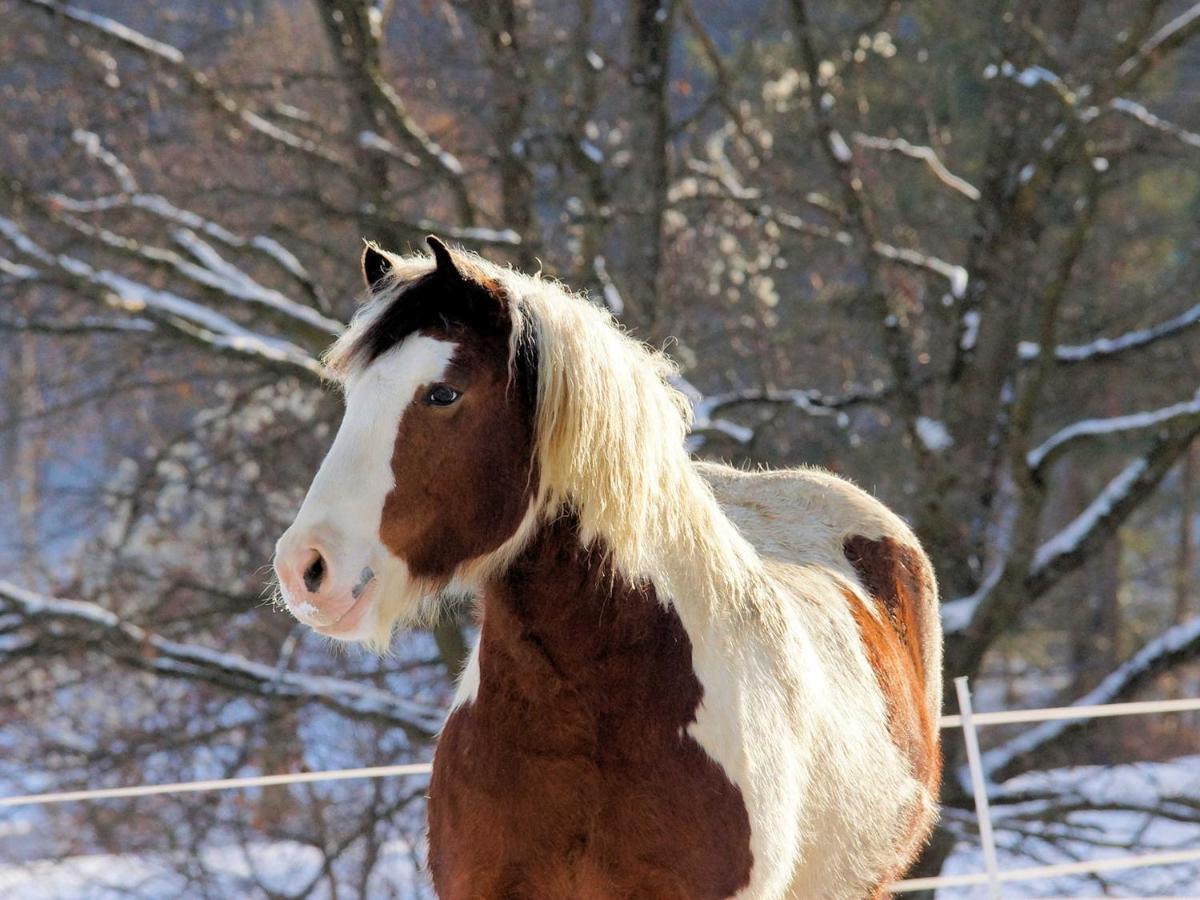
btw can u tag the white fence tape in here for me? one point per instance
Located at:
(1100, 711)
(1083, 867)
(219, 784)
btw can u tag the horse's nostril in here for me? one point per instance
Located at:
(315, 573)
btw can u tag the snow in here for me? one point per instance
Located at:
(220, 274)
(234, 870)
(958, 282)
(957, 614)
(471, 234)
(269, 129)
(612, 297)
(1069, 539)
(1130, 340)
(591, 151)
(955, 274)
(1034, 75)
(15, 236)
(370, 140)
(220, 330)
(1089, 813)
(17, 271)
(206, 324)
(115, 29)
(1180, 22)
(283, 256)
(1115, 425)
(1140, 113)
(839, 147)
(970, 333)
(927, 155)
(92, 146)
(933, 434)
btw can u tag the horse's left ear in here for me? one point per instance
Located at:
(483, 297)
(447, 266)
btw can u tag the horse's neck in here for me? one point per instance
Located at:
(565, 633)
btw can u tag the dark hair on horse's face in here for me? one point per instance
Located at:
(453, 300)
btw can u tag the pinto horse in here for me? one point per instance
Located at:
(690, 681)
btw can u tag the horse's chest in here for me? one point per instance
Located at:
(572, 775)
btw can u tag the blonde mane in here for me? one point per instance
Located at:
(609, 440)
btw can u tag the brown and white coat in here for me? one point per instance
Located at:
(691, 681)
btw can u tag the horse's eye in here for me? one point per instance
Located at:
(442, 395)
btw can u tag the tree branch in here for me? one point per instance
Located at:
(860, 221)
(134, 646)
(926, 155)
(1105, 348)
(194, 80)
(1170, 37)
(1074, 544)
(172, 312)
(1174, 646)
(1090, 430)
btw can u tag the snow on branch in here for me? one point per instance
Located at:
(196, 81)
(1067, 549)
(160, 207)
(213, 273)
(135, 646)
(94, 148)
(1171, 36)
(706, 409)
(1136, 111)
(176, 313)
(220, 274)
(1102, 348)
(1070, 538)
(923, 154)
(1173, 646)
(1054, 446)
(955, 275)
(113, 29)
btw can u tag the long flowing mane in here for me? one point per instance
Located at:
(609, 437)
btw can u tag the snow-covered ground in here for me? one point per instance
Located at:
(1086, 812)
(283, 868)
(1125, 810)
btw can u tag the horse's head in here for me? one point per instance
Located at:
(432, 469)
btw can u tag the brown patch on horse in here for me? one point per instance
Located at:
(896, 577)
(459, 470)
(572, 776)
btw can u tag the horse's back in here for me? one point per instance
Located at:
(811, 517)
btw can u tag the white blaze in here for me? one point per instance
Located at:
(343, 509)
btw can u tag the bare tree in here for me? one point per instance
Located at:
(905, 240)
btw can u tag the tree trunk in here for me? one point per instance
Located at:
(647, 176)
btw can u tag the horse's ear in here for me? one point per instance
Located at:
(375, 265)
(447, 266)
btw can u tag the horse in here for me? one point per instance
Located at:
(690, 680)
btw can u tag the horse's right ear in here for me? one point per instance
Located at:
(375, 265)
